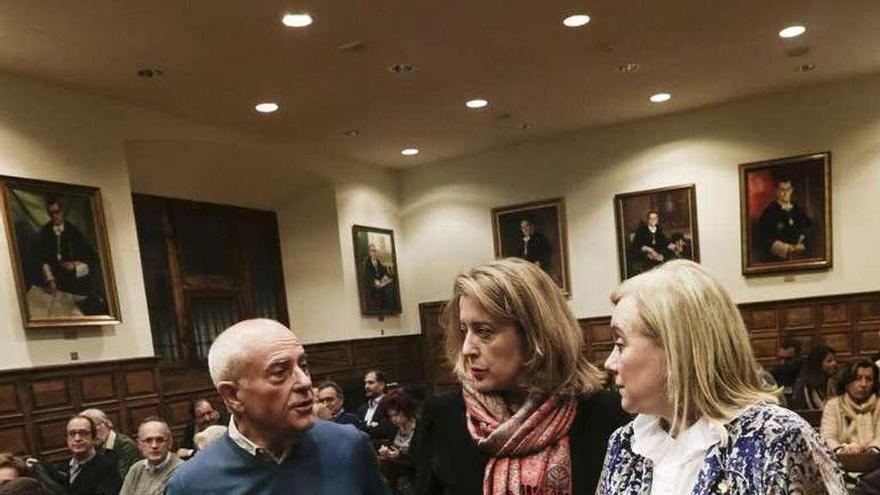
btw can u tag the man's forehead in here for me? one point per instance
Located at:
(75, 422)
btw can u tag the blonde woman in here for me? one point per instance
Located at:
(530, 416)
(706, 424)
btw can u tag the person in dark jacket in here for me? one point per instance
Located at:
(531, 416)
(330, 395)
(85, 472)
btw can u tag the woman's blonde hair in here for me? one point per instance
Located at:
(712, 371)
(517, 291)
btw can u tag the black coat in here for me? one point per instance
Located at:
(448, 461)
(99, 476)
(384, 430)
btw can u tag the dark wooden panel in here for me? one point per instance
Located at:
(140, 382)
(369, 355)
(13, 439)
(869, 309)
(138, 414)
(48, 393)
(8, 398)
(840, 342)
(837, 312)
(52, 434)
(329, 358)
(97, 387)
(762, 319)
(765, 347)
(798, 317)
(178, 412)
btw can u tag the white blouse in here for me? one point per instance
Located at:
(676, 461)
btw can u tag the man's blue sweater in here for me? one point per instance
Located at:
(328, 459)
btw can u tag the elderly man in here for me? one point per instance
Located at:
(85, 473)
(149, 476)
(115, 445)
(204, 415)
(274, 444)
(372, 412)
(330, 395)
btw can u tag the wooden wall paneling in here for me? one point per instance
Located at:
(14, 438)
(141, 382)
(51, 393)
(8, 399)
(97, 389)
(799, 317)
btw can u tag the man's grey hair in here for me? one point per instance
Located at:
(155, 419)
(230, 349)
(98, 416)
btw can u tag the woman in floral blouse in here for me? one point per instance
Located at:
(683, 362)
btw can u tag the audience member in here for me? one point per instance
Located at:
(209, 434)
(85, 472)
(204, 415)
(851, 421)
(11, 467)
(274, 443)
(149, 476)
(530, 416)
(22, 486)
(816, 382)
(331, 396)
(786, 372)
(705, 423)
(372, 412)
(401, 410)
(116, 445)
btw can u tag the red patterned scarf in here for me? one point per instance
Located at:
(529, 449)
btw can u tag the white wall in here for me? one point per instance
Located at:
(58, 135)
(445, 208)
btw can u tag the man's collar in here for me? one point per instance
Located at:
(339, 413)
(158, 467)
(74, 462)
(111, 440)
(252, 448)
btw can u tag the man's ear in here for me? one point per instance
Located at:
(228, 391)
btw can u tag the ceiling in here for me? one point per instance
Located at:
(220, 57)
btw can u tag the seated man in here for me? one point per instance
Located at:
(851, 421)
(274, 445)
(786, 372)
(117, 446)
(331, 396)
(149, 476)
(372, 412)
(85, 473)
(204, 415)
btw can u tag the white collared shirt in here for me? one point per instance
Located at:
(371, 409)
(158, 467)
(252, 448)
(76, 466)
(676, 461)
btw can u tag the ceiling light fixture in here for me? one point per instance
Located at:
(576, 20)
(476, 103)
(628, 68)
(409, 151)
(353, 133)
(660, 97)
(296, 20)
(267, 107)
(401, 68)
(792, 31)
(151, 72)
(527, 125)
(804, 68)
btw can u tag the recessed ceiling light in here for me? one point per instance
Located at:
(353, 133)
(296, 20)
(628, 67)
(792, 31)
(804, 68)
(401, 68)
(267, 107)
(527, 125)
(476, 103)
(576, 20)
(151, 72)
(660, 97)
(409, 151)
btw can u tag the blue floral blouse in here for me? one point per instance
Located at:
(769, 450)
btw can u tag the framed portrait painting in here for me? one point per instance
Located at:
(60, 254)
(535, 232)
(655, 226)
(376, 265)
(785, 207)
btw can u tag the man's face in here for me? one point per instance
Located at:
(331, 400)
(653, 219)
(276, 390)
(786, 354)
(8, 473)
(372, 387)
(784, 191)
(372, 251)
(56, 214)
(206, 415)
(79, 438)
(154, 440)
(526, 227)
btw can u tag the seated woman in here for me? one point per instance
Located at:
(705, 423)
(816, 382)
(530, 416)
(851, 421)
(401, 410)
